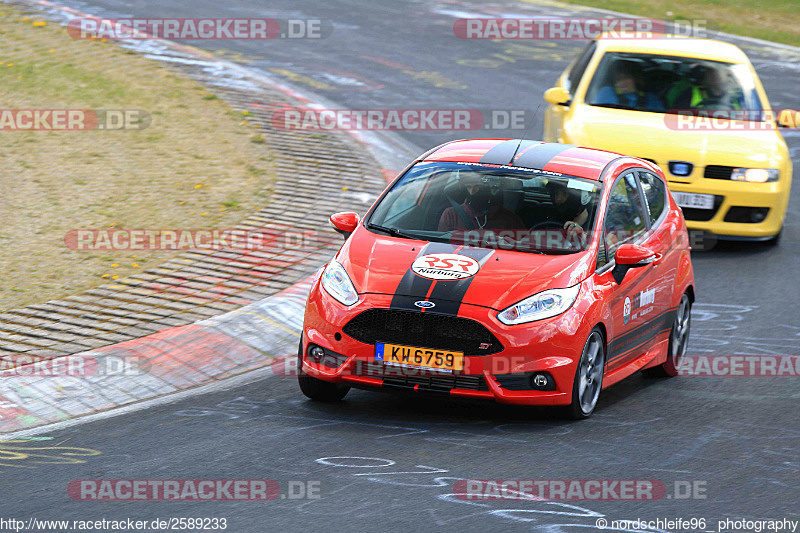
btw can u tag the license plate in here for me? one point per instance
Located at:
(697, 201)
(401, 355)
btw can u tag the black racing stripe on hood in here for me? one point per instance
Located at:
(413, 287)
(538, 156)
(448, 294)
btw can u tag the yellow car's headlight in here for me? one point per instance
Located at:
(755, 175)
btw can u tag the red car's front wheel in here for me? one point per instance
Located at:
(322, 391)
(588, 377)
(317, 389)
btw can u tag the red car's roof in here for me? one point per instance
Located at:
(553, 157)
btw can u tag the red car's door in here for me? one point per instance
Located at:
(634, 302)
(661, 239)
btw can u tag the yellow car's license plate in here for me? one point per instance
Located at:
(399, 354)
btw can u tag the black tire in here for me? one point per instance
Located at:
(317, 389)
(322, 391)
(678, 341)
(585, 397)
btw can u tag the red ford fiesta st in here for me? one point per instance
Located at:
(512, 270)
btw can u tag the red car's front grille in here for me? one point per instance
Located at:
(434, 383)
(429, 330)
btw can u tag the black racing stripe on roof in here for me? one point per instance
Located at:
(524, 146)
(502, 153)
(538, 156)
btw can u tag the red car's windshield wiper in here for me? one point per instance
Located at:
(394, 232)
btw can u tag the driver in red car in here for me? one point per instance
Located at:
(482, 208)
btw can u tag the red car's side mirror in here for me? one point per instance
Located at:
(345, 223)
(630, 256)
(633, 255)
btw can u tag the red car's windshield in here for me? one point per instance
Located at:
(491, 206)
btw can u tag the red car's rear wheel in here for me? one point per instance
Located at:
(678, 341)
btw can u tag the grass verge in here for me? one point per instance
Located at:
(195, 166)
(771, 20)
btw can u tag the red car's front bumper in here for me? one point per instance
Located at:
(553, 346)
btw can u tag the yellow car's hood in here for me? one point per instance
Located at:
(646, 135)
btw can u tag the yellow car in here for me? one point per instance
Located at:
(655, 99)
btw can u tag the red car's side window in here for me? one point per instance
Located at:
(625, 218)
(655, 195)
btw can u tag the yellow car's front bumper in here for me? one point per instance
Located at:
(742, 223)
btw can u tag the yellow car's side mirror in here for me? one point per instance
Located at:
(789, 118)
(557, 96)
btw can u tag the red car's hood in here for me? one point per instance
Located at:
(382, 264)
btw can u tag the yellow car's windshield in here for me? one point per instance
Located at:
(668, 84)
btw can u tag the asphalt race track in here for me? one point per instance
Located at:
(678, 431)
(389, 463)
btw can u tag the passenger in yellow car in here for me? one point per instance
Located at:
(713, 92)
(625, 90)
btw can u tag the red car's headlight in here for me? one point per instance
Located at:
(545, 304)
(337, 283)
